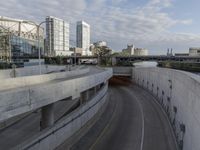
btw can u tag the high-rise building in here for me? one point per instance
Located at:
(83, 37)
(57, 37)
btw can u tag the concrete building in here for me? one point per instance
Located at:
(100, 43)
(57, 37)
(140, 52)
(19, 38)
(76, 50)
(83, 37)
(129, 50)
(194, 51)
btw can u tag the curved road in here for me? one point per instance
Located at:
(132, 121)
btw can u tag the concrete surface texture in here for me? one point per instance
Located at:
(19, 100)
(124, 71)
(178, 93)
(49, 139)
(131, 121)
(12, 83)
(31, 70)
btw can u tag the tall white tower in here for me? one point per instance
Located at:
(57, 37)
(83, 37)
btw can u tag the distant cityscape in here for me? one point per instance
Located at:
(20, 38)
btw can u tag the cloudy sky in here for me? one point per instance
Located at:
(152, 24)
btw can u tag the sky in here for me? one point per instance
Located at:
(153, 24)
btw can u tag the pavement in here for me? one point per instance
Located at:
(131, 121)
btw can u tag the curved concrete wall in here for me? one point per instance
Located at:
(29, 71)
(51, 138)
(20, 100)
(19, 82)
(123, 71)
(179, 94)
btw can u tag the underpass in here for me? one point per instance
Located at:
(132, 120)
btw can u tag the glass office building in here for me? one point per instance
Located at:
(83, 37)
(19, 39)
(57, 37)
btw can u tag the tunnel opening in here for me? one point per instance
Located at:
(120, 81)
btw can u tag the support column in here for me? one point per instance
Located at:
(47, 116)
(95, 90)
(84, 96)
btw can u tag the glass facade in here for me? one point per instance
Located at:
(19, 38)
(25, 47)
(83, 37)
(57, 33)
(15, 46)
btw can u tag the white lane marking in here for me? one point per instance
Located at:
(142, 113)
(159, 105)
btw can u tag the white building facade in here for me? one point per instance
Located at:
(101, 43)
(129, 50)
(57, 37)
(83, 37)
(140, 52)
(194, 51)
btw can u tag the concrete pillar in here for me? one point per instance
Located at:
(47, 116)
(85, 96)
(95, 90)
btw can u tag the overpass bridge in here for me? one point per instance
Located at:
(156, 58)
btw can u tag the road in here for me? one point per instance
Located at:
(132, 121)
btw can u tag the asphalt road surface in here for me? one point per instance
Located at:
(132, 121)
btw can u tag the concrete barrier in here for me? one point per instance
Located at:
(122, 71)
(179, 94)
(32, 70)
(16, 101)
(19, 82)
(49, 139)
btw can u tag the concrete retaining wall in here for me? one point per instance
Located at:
(124, 71)
(49, 139)
(11, 83)
(16, 101)
(32, 70)
(179, 94)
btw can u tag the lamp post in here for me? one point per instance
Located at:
(38, 44)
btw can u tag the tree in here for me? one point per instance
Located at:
(103, 53)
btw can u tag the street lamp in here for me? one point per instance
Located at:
(38, 34)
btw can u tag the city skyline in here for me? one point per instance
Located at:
(153, 24)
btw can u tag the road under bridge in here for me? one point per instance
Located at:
(132, 120)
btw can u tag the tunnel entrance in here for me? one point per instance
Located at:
(120, 81)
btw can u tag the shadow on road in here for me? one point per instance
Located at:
(120, 81)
